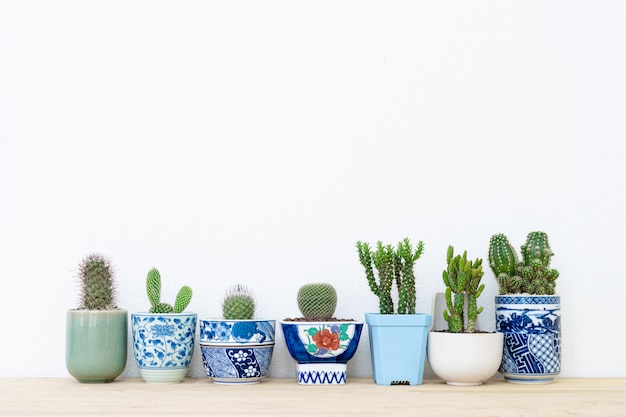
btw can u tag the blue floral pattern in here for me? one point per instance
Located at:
(163, 340)
(236, 365)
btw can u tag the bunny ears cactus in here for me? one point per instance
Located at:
(153, 288)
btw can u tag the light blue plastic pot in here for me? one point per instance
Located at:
(398, 347)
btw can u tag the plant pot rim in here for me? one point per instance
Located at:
(309, 322)
(240, 320)
(477, 333)
(525, 294)
(146, 313)
(85, 310)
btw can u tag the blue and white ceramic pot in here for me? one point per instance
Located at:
(322, 349)
(237, 351)
(163, 345)
(398, 347)
(532, 337)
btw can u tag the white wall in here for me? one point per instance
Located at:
(256, 141)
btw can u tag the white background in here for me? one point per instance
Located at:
(257, 141)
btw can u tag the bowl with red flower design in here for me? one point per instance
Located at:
(322, 349)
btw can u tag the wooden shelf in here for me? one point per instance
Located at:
(284, 397)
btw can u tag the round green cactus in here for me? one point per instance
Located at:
(97, 286)
(238, 303)
(317, 301)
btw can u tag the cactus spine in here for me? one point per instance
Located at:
(532, 274)
(238, 303)
(463, 287)
(153, 289)
(392, 265)
(317, 302)
(97, 283)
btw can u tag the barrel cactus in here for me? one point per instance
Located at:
(317, 302)
(392, 264)
(97, 283)
(463, 287)
(153, 288)
(532, 274)
(238, 303)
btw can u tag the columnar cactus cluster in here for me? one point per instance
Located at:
(463, 287)
(392, 265)
(153, 288)
(238, 303)
(317, 302)
(97, 283)
(532, 274)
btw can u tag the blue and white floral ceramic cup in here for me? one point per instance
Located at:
(237, 351)
(163, 345)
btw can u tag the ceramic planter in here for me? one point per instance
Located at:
(531, 325)
(96, 344)
(237, 351)
(398, 347)
(163, 345)
(322, 349)
(464, 358)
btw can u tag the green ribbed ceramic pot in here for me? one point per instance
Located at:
(96, 344)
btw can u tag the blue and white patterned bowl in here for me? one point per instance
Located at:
(237, 351)
(322, 349)
(163, 345)
(229, 332)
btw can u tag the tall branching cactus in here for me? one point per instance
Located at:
(532, 274)
(153, 288)
(463, 287)
(97, 283)
(392, 265)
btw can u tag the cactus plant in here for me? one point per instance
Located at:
(153, 289)
(238, 303)
(463, 287)
(532, 274)
(97, 283)
(317, 301)
(392, 265)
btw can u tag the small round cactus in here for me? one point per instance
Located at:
(97, 286)
(317, 301)
(238, 303)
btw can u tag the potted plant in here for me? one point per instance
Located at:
(321, 344)
(237, 349)
(397, 338)
(163, 338)
(528, 312)
(96, 332)
(462, 354)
